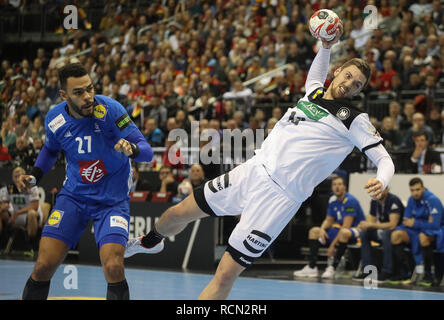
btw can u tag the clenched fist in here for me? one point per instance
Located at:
(124, 146)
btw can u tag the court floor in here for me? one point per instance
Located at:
(87, 282)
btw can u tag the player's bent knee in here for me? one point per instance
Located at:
(314, 233)
(424, 240)
(345, 235)
(396, 237)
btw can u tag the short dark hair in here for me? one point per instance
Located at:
(75, 70)
(414, 181)
(362, 65)
(420, 133)
(336, 177)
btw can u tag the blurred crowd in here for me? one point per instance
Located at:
(171, 62)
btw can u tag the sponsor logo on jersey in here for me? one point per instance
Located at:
(123, 122)
(219, 183)
(56, 123)
(118, 221)
(92, 171)
(96, 127)
(257, 241)
(343, 113)
(68, 134)
(55, 218)
(311, 110)
(100, 112)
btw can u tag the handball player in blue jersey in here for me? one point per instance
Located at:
(98, 139)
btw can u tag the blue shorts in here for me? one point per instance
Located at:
(333, 232)
(70, 217)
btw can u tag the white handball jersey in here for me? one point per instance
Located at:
(312, 139)
(309, 143)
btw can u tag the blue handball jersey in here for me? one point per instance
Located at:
(349, 206)
(94, 170)
(427, 212)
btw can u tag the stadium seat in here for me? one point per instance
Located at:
(161, 197)
(140, 196)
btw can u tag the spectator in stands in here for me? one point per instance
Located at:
(239, 118)
(418, 124)
(166, 182)
(52, 89)
(389, 133)
(24, 155)
(152, 133)
(424, 160)
(23, 126)
(8, 135)
(197, 175)
(385, 214)
(395, 114)
(158, 111)
(338, 229)
(407, 114)
(386, 76)
(25, 210)
(36, 128)
(43, 102)
(421, 224)
(5, 157)
(4, 217)
(138, 183)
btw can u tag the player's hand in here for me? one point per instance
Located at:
(408, 222)
(25, 182)
(328, 44)
(323, 236)
(124, 146)
(362, 226)
(374, 188)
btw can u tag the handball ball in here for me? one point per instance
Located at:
(323, 24)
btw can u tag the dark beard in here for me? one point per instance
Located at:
(76, 109)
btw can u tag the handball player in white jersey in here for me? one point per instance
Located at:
(309, 142)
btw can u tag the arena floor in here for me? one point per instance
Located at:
(87, 282)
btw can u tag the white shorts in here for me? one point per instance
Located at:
(23, 218)
(265, 209)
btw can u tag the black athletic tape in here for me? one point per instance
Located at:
(135, 149)
(244, 260)
(199, 196)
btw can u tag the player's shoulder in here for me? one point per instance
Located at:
(56, 117)
(56, 111)
(108, 102)
(332, 199)
(351, 199)
(430, 197)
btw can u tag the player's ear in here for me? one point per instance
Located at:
(63, 94)
(337, 71)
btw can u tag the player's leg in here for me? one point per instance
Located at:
(170, 223)
(177, 217)
(111, 226)
(62, 231)
(311, 270)
(111, 257)
(226, 200)
(426, 242)
(32, 223)
(52, 252)
(399, 238)
(226, 274)
(387, 259)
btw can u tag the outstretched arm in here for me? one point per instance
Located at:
(386, 169)
(319, 67)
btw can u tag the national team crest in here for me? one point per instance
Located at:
(92, 171)
(343, 113)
